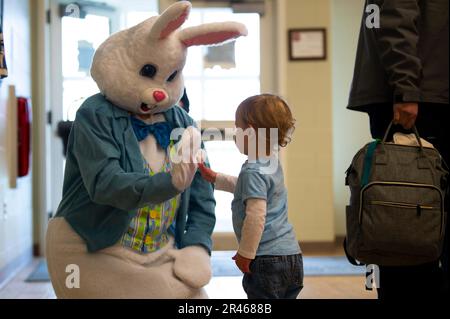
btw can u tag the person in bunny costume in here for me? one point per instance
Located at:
(134, 223)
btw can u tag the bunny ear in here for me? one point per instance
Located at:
(212, 33)
(171, 19)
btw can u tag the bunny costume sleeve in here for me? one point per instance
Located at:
(98, 156)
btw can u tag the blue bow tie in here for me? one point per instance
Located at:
(161, 131)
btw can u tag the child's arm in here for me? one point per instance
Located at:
(254, 194)
(226, 183)
(253, 227)
(222, 182)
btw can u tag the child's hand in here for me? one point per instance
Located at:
(243, 263)
(207, 173)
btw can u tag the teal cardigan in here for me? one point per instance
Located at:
(105, 182)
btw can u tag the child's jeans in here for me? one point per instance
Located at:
(274, 277)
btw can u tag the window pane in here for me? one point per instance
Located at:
(194, 63)
(80, 38)
(222, 97)
(195, 54)
(195, 98)
(225, 158)
(135, 17)
(76, 91)
(223, 89)
(80, 34)
(247, 48)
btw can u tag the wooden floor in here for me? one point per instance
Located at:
(344, 287)
(17, 288)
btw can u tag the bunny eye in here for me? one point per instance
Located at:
(149, 71)
(172, 77)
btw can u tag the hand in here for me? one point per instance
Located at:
(189, 146)
(405, 114)
(184, 165)
(182, 175)
(243, 263)
(207, 173)
(192, 265)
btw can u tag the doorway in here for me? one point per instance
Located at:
(76, 32)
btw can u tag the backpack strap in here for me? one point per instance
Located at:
(368, 160)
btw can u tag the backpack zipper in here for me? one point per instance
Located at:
(418, 207)
(402, 205)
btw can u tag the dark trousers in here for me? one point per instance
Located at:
(429, 280)
(274, 277)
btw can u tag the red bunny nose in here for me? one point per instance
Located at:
(159, 96)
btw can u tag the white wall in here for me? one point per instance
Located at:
(350, 129)
(327, 135)
(309, 156)
(15, 204)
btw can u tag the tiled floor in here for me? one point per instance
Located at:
(351, 287)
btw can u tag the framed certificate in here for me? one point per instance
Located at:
(307, 44)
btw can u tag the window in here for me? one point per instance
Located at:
(225, 158)
(80, 39)
(215, 93)
(135, 17)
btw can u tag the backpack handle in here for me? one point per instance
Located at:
(425, 162)
(415, 131)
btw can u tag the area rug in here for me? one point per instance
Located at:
(224, 266)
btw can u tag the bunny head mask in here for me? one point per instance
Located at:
(140, 69)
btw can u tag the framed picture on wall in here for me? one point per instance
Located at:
(307, 44)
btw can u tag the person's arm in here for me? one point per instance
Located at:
(98, 156)
(226, 183)
(223, 182)
(398, 39)
(253, 227)
(201, 217)
(254, 194)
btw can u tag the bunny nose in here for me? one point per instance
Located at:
(159, 96)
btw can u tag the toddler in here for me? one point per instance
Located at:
(269, 254)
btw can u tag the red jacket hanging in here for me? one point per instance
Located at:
(24, 136)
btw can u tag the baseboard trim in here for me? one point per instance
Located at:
(340, 240)
(224, 241)
(15, 266)
(318, 247)
(227, 241)
(36, 250)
